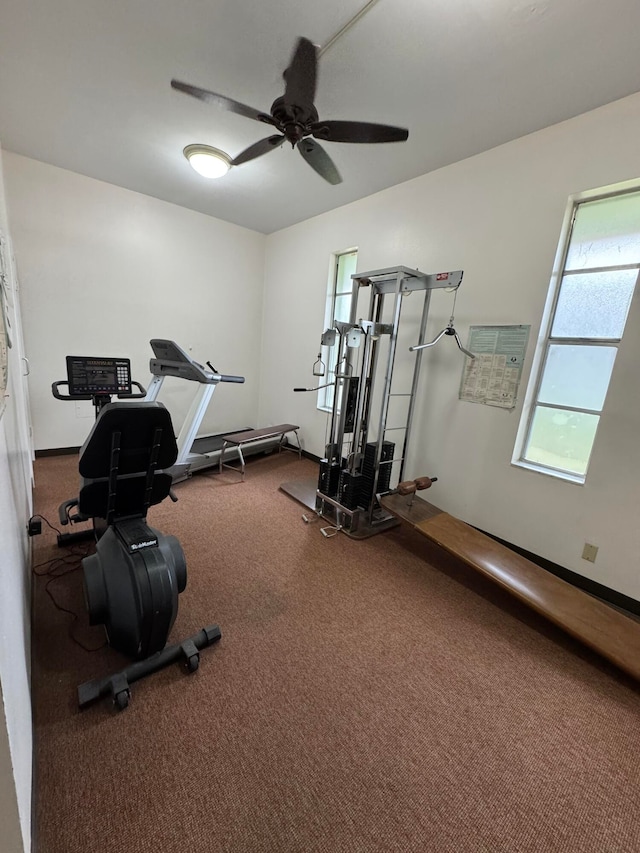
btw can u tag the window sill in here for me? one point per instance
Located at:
(576, 479)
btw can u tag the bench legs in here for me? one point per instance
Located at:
(222, 464)
(281, 446)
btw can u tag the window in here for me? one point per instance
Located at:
(338, 308)
(589, 308)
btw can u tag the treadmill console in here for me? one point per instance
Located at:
(172, 360)
(98, 376)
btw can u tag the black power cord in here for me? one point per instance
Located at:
(58, 568)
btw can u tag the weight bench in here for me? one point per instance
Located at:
(248, 436)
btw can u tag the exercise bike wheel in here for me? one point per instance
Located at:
(193, 663)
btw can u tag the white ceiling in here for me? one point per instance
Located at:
(85, 85)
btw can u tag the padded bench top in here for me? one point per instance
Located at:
(603, 628)
(255, 434)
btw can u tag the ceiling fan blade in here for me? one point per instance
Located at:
(258, 149)
(319, 160)
(357, 131)
(300, 76)
(221, 101)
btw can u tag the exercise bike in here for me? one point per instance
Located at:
(97, 380)
(133, 580)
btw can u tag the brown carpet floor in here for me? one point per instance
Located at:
(365, 697)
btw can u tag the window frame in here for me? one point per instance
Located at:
(546, 340)
(324, 404)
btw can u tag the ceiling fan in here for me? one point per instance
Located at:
(296, 118)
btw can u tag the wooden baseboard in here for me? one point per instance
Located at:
(57, 451)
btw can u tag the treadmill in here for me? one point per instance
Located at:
(194, 452)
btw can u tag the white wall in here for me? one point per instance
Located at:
(16, 740)
(498, 217)
(103, 270)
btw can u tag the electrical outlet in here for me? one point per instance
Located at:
(34, 526)
(589, 552)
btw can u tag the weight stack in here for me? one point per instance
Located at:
(349, 489)
(368, 471)
(329, 478)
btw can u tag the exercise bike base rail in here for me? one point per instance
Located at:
(118, 685)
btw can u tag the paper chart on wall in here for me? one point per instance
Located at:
(493, 376)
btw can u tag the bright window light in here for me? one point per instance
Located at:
(338, 309)
(592, 298)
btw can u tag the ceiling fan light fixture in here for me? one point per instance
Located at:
(295, 117)
(207, 161)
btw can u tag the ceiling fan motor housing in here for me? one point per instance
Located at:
(292, 120)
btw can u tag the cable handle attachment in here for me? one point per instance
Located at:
(448, 330)
(317, 388)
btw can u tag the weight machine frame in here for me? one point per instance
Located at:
(397, 283)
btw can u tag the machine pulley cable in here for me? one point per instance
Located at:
(448, 330)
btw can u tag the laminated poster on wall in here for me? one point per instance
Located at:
(5, 329)
(493, 376)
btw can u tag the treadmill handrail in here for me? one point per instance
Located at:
(226, 377)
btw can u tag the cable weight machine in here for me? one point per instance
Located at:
(360, 457)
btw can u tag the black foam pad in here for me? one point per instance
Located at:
(130, 497)
(136, 423)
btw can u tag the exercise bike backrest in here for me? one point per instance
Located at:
(121, 463)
